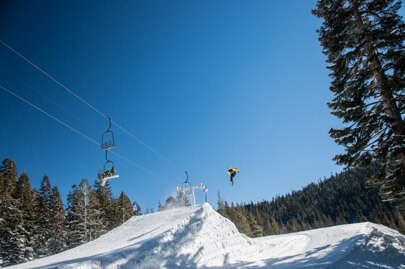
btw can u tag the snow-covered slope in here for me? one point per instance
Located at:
(198, 237)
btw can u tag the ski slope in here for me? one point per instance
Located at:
(198, 237)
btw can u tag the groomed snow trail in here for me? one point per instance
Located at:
(198, 237)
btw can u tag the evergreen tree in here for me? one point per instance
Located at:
(13, 236)
(57, 241)
(96, 225)
(220, 201)
(125, 208)
(26, 203)
(105, 199)
(364, 44)
(170, 203)
(10, 174)
(44, 218)
(256, 229)
(75, 218)
(85, 190)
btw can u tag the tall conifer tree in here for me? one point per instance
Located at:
(364, 45)
(96, 224)
(75, 218)
(26, 203)
(105, 198)
(13, 236)
(125, 208)
(57, 241)
(44, 219)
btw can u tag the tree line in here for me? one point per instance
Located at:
(35, 223)
(340, 199)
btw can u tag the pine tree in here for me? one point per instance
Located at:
(170, 202)
(105, 199)
(256, 229)
(96, 226)
(27, 207)
(220, 201)
(364, 44)
(13, 236)
(125, 208)
(75, 218)
(85, 190)
(10, 174)
(44, 218)
(57, 241)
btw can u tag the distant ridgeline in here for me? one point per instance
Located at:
(341, 199)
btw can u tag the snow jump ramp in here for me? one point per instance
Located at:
(198, 237)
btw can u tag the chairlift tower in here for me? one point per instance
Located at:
(189, 190)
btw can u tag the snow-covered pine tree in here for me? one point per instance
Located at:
(95, 223)
(364, 44)
(75, 219)
(57, 241)
(13, 236)
(26, 202)
(44, 218)
(256, 229)
(85, 188)
(124, 208)
(105, 199)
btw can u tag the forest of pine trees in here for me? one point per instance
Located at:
(35, 223)
(341, 199)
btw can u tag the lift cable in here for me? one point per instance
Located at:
(50, 77)
(92, 107)
(83, 135)
(76, 117)
(50, 99)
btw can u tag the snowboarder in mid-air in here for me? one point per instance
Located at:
(232, 172)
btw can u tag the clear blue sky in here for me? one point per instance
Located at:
(208, 84)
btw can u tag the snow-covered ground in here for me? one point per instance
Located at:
(198, 237)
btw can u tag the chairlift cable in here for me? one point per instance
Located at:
(49, 99)
(78, 132)
(150, 148)
(76, 117)
(50, 77)
(92, 107)
(49, 115)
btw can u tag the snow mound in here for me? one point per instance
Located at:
(198, 237)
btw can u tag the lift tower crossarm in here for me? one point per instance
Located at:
(190, 191)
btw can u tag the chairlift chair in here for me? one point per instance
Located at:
(107, 139)
(186, 184)
(108, 171)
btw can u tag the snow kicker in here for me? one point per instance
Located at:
(198, 237)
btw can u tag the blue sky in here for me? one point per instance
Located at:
(207, 84)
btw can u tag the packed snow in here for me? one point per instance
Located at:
(198, 237)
